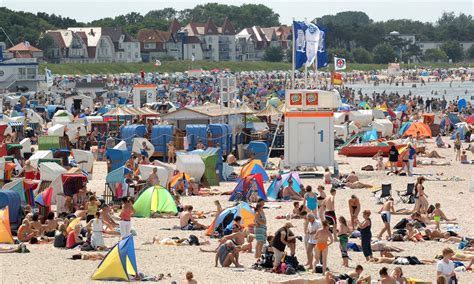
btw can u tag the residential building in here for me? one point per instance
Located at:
(69, 47)
(109, 44)
(127, 49)
(207, 41)
(152, 44)
(26, 50)
(252, 42)
(19, 73)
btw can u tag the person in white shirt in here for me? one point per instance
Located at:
(313, 226)
(445, 267)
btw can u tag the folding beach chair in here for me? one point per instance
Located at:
(406, 196)
(386, 192)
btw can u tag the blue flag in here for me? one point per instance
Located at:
(322, 53)
(299, 46)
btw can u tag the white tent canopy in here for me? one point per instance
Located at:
(138, 145)
(42, 154)
(191, 164)
(49, 171)
(163, 174)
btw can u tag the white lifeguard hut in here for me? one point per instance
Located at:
(309, 127)
(144, 93)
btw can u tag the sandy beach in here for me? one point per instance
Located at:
(46, 264)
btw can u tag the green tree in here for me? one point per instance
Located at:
(470, 52)
(361, 55)
(339, 52)
(383, 53)
(46, 43)
(273, 54)
(435, 55)
(454, 50)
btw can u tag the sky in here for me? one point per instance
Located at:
(378, 10)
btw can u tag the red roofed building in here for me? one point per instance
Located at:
(68, 47)
(25, 50)
(207, 41)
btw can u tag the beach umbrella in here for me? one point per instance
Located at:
(269, 110)
(245, 109)
(282, 108)
(44, 198)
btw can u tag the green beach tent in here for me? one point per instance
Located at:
(210, 175)
(154, 199)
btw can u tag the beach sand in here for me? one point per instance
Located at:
(46, 264)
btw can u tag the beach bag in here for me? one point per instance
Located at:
(87, 247)
(267, 260)
(430, 209)
(290, 270)
(411, 199)
(368, 168)
(318, 269)
(291, 260)
(397, 238)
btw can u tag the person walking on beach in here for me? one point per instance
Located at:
(313, 226)
(260, 229)
(458, 146)
(366, 234)
(386, 213)
(126, 217)
(421, 203)
(393, 158)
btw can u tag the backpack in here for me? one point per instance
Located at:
(267, 260)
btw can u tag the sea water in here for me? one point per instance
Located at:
(457, 89)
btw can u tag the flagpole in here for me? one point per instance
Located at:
(293, 55)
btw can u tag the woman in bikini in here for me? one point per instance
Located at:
(323, 240)
(421, 204)
(25, 232)
(320, 200)
(354, 209)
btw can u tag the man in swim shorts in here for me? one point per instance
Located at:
(386, 214)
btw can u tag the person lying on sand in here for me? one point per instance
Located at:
(401, 260)
(352, 181)
(382, 246)
(187, 221)
(433, 154)
(84, 256)
(354, 276)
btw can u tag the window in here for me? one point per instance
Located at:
(129, 55)
(27, 73)
(193, 46)
(150, 45)
(136, 55)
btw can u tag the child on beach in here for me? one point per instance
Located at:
(171, 153)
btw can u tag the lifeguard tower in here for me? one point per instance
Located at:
(144, 93)
(309, 128)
